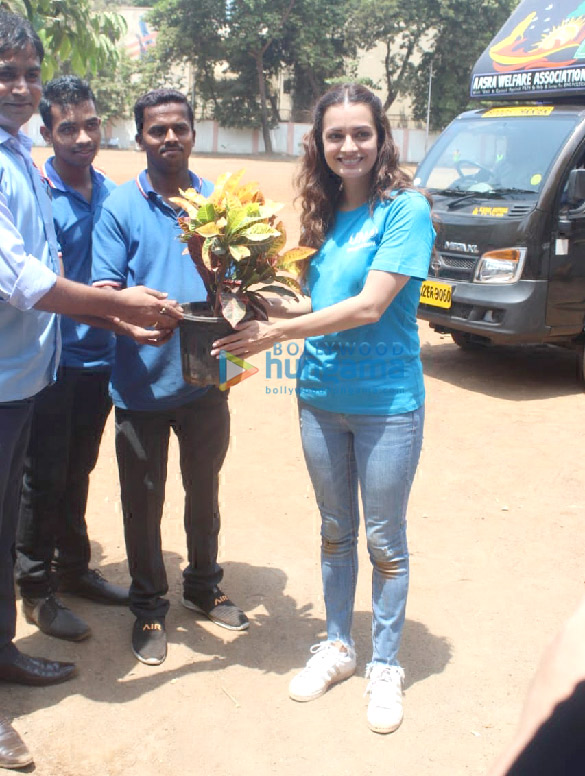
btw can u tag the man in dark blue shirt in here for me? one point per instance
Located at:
(69, 415)
(136, 239)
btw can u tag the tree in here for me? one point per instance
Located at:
(402, 28)
(464, 29)
(319, 46)
(117, 91)
(194, 33)
(238, 49)
(244, 37)
(72, 33)
(255, 26)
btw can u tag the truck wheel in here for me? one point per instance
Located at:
(467, 341)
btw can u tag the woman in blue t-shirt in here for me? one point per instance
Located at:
(360, 383)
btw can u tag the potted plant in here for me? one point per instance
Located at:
(236, 245)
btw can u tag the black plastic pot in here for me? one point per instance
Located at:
(198, 331)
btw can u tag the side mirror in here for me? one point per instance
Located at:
(576, 187)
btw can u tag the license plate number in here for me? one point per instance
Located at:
(436, 294)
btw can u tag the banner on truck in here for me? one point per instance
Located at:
(538, 53)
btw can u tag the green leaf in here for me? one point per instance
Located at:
(253, 210)
(290, 282)
(259, 233)
(239, 252)
(210, 229)
(248, 221)
(270, 209)
(235, 219)
(232, 308)
(78, 62)
(262, 229)
(206, 213)
(280, 290)
(65, 48)
(296, 254)
(206, 252)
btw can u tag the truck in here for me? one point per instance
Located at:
(508, 189)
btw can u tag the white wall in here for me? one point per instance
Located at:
(213, 139)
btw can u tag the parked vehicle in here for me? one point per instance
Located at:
(508, 185)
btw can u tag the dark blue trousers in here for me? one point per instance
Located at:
(142, 439)
(67, 426)
(15, 420)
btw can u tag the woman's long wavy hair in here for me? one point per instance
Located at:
(320, 189)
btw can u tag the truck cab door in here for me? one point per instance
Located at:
(566, 293)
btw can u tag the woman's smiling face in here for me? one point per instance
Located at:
(350, 140)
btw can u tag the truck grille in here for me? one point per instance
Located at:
(453, 266)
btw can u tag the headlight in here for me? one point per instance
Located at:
(502, 266)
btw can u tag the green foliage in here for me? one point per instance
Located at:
(319, 47)
(239, 50)
(116, 90)
(193, 32)
(403, 29)
(235, 100)
(75, 37)
(463, 31)
(243, 38)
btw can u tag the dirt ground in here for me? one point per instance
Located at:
(495, 525)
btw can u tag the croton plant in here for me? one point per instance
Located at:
(237, 246)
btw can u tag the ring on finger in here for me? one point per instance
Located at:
(163, 310)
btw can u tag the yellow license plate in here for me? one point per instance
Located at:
(436, 294)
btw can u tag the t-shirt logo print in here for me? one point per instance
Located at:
(363, 239)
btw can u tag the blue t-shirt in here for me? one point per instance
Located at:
(84, 347)
(373, 369)
(136, 242)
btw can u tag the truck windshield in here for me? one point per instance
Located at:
(494, 156)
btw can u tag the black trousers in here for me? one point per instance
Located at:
(68, 421)
(15, 419)
(558, 746)
(142, 440)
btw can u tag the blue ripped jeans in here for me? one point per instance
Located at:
(380, 454)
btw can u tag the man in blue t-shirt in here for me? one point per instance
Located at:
(136, 240)
(69, 415)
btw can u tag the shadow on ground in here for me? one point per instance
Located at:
(512, 372)
(277, 641)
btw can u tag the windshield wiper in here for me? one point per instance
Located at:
(474, 195)
(448, 192)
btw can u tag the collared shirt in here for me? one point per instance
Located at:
(136, 242)
(84, 347)
(30, 341)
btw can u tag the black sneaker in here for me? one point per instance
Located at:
(218, 608)
(149, 641)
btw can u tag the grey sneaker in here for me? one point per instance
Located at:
(331, 662)
(218, 608)
(385, 691)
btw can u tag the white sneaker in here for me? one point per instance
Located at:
(331, 662)
(385, 690)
